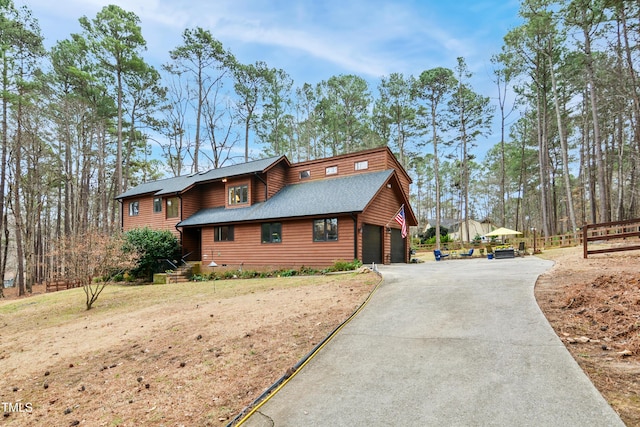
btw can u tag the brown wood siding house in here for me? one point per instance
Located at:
(270, 213)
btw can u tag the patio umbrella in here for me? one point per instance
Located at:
(502, 232)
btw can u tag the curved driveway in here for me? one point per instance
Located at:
(451, 343)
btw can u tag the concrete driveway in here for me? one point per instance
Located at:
(450, 343)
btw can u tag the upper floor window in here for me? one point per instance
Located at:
(272, 232)
(305, 174)
(238, 194)
(223, 233)
(157, 204)
(173, 207)
(331, 170)
(134, 208)
(362, 165)
(325, 230)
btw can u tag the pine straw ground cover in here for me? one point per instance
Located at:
(163, 355)
(594, 306)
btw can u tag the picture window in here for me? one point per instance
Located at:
(272, 232)
(325, 230)
(223, 233)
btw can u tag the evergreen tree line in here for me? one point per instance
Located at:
(81, 123)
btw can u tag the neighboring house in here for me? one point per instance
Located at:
(444, 222)
(272, 213)
(458, 230)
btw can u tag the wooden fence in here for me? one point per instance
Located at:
(625, 233)
(541, 242)
(61, 285)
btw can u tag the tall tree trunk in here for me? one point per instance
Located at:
(542, 166)
(3, 171)
(17, 206)
(620, 215)
(603, 191)
(436, 172)
(565, 152)
(119, 174)
(633, 89)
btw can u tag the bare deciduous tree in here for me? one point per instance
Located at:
(92, 259)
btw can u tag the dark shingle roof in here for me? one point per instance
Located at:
(181, 183)
(322, 197)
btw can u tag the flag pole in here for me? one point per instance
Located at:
(394, 215)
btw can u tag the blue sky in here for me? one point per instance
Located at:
(315, 39)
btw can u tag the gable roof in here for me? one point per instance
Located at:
(321, 197)
(181, 183)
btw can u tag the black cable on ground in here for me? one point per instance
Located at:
(291, 372)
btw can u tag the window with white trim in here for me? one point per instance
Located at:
(362, 165)
(134, 208)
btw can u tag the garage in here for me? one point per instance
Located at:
(371, 244)
(397, 246)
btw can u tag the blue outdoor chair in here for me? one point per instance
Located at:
(468, 254)
(439, 255)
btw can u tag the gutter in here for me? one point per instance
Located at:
(355, 235)
(121, 214)
(181, 219)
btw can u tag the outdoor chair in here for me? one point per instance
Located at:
(439, 255)
(469, 254)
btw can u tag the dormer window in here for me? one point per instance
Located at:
(305, 174)
(238, 194)
(331, 170)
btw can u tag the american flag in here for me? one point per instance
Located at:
(400, 219)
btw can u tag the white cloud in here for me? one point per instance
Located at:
(365, 37)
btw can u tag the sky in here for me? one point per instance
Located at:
(313, 40)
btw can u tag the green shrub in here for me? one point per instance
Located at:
(342, 265)
(308, 271)
(443, 239)
(286, 273)
(152, 246)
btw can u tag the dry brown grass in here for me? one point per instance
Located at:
(186, 354)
